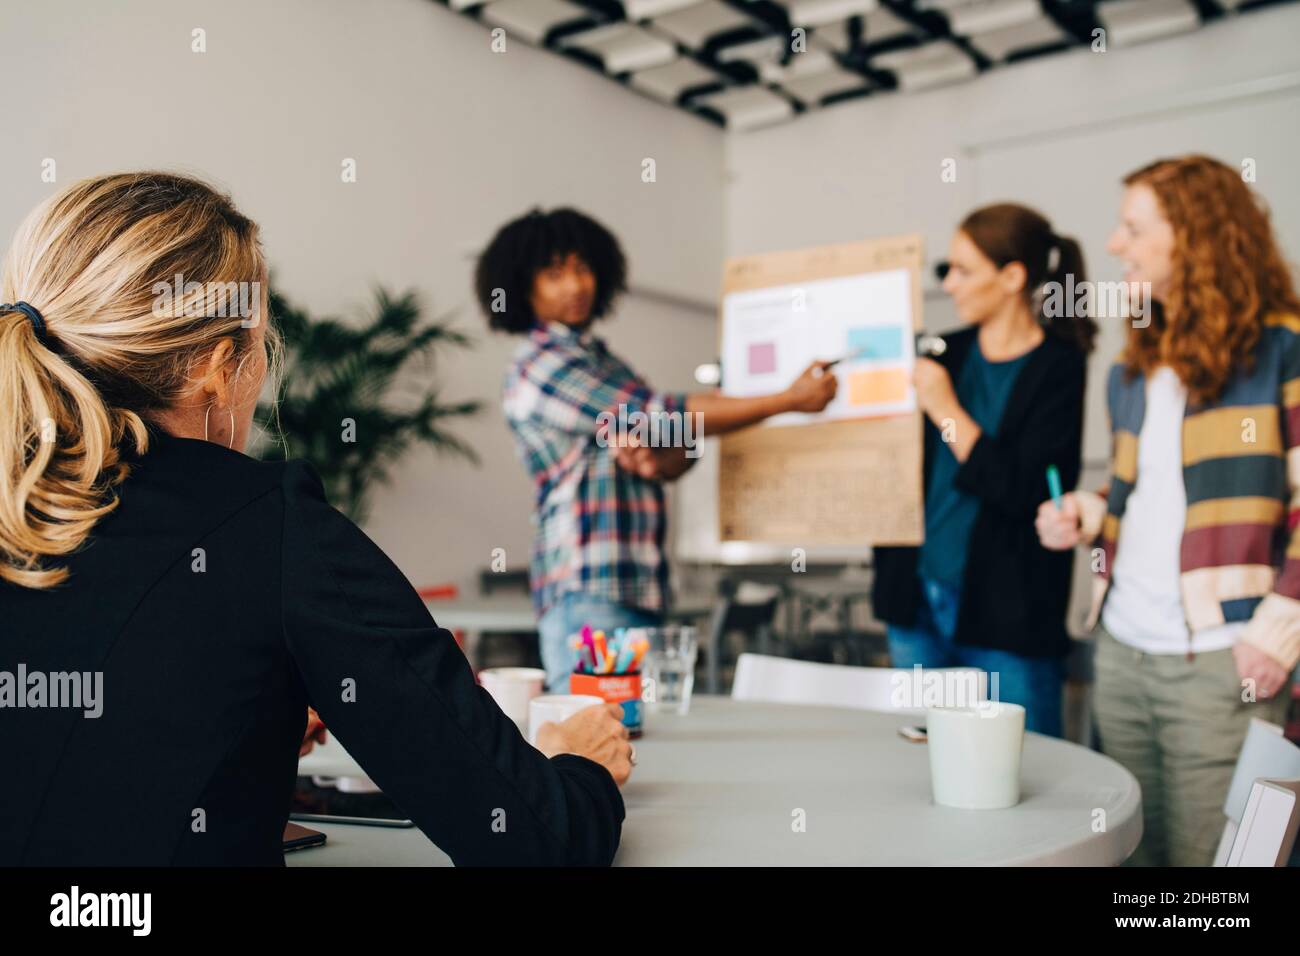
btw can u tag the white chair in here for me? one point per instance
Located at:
(1266, 834)
(779, 680)
(1265, 753)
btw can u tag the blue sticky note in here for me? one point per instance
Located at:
(876, 342)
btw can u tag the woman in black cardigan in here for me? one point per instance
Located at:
(207, 599)
(1002, 403)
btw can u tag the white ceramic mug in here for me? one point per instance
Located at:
(975, 754)
(556, 708)
(512, 688)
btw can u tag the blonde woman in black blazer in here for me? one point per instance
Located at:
(216, 596)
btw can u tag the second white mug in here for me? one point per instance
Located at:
(512, 688)
(975, 754)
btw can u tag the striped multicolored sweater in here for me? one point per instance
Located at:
(1240, 556)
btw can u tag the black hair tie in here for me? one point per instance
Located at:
(33, 316)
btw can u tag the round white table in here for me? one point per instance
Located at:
(736, 783)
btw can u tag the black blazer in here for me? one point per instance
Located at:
(1015, 593)
(207, 675)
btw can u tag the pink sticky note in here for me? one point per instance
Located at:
(762, 358)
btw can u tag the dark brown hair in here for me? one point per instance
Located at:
(525, 246)
(1009, 232)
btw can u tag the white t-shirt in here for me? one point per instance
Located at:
(1144, 604)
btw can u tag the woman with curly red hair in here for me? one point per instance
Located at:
(1197, 552)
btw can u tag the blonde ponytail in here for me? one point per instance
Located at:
(75, 397)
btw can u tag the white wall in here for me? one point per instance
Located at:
(450, 140)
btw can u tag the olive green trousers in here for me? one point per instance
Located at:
(1177, 726)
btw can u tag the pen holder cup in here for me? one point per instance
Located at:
(624, 689)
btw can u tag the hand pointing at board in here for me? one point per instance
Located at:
(813, 389)
(810, 392)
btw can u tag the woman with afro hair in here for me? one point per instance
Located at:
(599, 520)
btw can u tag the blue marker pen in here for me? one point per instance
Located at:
(1054, 485)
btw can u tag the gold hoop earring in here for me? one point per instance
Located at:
(208, 411)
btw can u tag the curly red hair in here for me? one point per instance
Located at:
(1228, 276)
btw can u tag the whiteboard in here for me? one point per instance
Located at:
(770, 335)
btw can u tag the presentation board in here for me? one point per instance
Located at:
(770, 335)
(851, 474)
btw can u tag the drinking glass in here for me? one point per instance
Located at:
(670, 668)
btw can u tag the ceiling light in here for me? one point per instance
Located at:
(1136, 21)
(623, 47)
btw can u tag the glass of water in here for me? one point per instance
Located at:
(670, 668)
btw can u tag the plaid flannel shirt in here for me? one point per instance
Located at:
(597, 529)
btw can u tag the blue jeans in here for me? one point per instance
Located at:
(1032, 682)
(566, 617)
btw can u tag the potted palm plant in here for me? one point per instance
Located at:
(347, 402)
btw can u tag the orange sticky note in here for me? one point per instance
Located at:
(878, 386)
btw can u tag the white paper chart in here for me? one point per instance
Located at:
(770, 335)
